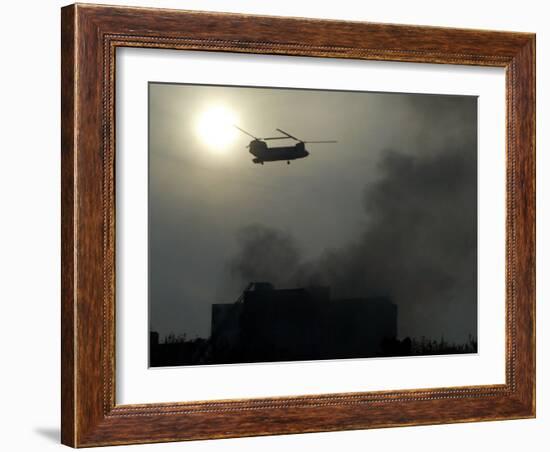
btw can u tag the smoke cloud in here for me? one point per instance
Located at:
(418, 246)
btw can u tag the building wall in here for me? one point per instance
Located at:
(303, 324)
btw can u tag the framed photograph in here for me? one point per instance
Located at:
(281, 225)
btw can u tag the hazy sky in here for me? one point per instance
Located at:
(388, 210)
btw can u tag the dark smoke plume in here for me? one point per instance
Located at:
(419, 246)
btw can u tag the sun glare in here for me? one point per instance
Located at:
(215, 128)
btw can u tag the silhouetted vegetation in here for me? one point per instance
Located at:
(177, 350)
(425, 346)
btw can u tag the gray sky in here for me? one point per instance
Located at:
(388, 210)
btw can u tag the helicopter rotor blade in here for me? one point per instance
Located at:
(324, 141)
(288, 135)
(245, 132)
(275, 138)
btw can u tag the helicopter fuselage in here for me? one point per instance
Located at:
(263, 153)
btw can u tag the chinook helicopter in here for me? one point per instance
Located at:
(263, 153)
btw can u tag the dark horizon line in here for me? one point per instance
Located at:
(470, 335)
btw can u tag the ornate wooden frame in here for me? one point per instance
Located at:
(90, 35)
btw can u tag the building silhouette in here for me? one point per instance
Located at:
(266, 324)
(269, 324)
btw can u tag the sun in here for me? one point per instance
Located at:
(215, 127)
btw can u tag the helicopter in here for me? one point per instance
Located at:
(263, 153)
